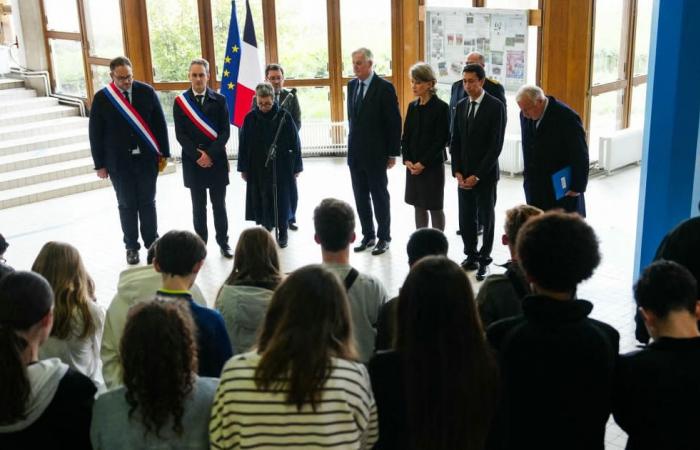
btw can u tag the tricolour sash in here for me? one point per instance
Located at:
(196, 116)
(132, 117)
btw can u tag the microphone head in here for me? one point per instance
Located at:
(293, 91)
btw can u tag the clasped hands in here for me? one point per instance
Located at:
(204, 159)
(466, 183)
(414, 168)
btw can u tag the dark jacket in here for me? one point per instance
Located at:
(558, 369)
(291, 106)
(475, 147)
(111, 136)
(457, 94)
(191, 139)
(501, 295)
(426, 132)
(375, 130)
(559, 141)
(657, 393)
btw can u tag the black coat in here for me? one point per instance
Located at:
(375, 130)
(558, 372)
(191, 139)
(492, 87)
(111, 136)
(558, 142)
(475, 148)
(426, 135)
(255, 139)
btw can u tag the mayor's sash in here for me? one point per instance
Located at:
(196, 116)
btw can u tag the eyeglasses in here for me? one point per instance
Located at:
(126, 78)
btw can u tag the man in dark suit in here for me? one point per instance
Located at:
(553, 139)
(491, 86)
(274, 74)
(204, 162)
(477, 138)
(373, 145)
(130, 155)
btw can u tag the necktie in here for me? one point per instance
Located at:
(277, 98)
(472, 111)
(360, 96)
(200, 99)
(126, 96)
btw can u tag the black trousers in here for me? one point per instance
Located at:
(217, 195)
(135, 187)
(294, 200)
(369, 185)
(477, 204)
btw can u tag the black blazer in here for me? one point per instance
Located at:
(375, 130)
(492, 87)
(426, 132)
(110, 134)
(191, 138)
(475, 148)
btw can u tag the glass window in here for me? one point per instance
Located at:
(300, 56)
(606, 116)
(639, 103)
(104, 28)
(100, 77)
(62, 15)
(642, 37)
(366, 23)
(512, 4)
(67, 62)
(173, 28)
(167, 100)
(448, 3)
(314, 103)
(221, 18)
(608, 60)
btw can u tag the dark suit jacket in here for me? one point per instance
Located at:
(190, 138)
(559, 141)
(426, 132)
(292, 107)
(110, 134)
(457, 94)
(475, 148)
(375, 130)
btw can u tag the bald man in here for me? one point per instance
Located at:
(491, 86)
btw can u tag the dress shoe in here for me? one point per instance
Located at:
(381, 247)
(459, 232)
(226, 251)
(132, 257)
(283, 240)
(470, 264)
(293, 226)
(365, 244)
(482, 272)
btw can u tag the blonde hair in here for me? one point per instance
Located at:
(423, 73)
(516, 218)
(73, 288)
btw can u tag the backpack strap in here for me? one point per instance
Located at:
(350, 278)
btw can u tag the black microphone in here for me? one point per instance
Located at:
(289, 95)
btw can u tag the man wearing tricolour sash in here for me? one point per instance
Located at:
(129, 143)
(202, 128)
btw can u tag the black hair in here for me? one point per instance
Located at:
(666, 286)
(178, 252)
(273, 66)
(334, 223)
(425, 242)
(476, 69)
(682, 245)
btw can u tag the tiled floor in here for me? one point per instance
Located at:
(90, 222)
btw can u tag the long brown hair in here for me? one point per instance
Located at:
(307, 323)
(159, 355)
(73, 288)
(256, 259)
(451, 375)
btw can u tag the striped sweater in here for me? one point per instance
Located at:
(244, 417)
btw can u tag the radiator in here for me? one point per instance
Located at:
(620, 148)
(511, 158)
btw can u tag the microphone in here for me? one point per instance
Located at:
(291, 93)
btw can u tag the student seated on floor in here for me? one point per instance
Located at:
(44, 404)
(501, 295)
(657, 390)
(246, 293)
(136, 284)
(179, 257)
(557, 363)
(163, 403)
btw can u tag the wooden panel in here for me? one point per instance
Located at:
(270, 30)
(137, 49)
(335, 71)
(408, 35)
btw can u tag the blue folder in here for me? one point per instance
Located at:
(561, 181)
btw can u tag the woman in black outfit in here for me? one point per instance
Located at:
(426, 131)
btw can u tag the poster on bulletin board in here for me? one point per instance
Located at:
(498, 34)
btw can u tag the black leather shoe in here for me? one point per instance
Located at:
(293, 226)
(381, 247)
(132, 257)
(482, 272)
(283, 240)
(226, 251)
(459, 232)
(470, 264)
(365, 244)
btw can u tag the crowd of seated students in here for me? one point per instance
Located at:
(319, 358)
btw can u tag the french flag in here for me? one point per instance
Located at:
(242, 71)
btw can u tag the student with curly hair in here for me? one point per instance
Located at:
(302, 387)
(246, 293)
(78, 319)
(163, 402)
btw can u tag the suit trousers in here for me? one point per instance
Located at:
(217, 195)
(477, 204)
(135, 187)
(369, 185)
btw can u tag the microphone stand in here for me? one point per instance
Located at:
(272, 156)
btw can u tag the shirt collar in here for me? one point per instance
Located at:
(204, 92)
(368, 80)
(479, 99)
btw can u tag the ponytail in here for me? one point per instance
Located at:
(14, 383)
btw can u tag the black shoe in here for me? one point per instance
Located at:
(132, 257)
(482, 272)
(470, 264)
(226, 251)
(293, 226)
(381, 247)
(365, 244)
(459, 232)
(283, 240)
